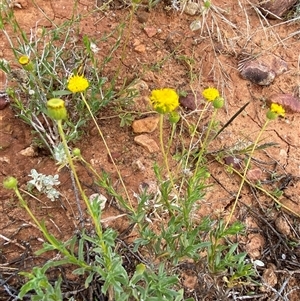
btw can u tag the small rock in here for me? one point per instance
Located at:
(147, 143)
(145, 125)
(142, 16)
(114, 156)
(275, 9)
(290, 103)
(138, 165)
(282, 226)
(150, 31)
(269, 277)
(28, 152)
(4, 101)
(254, 174)
(5, 160)
(279, 66)
(258, 73)
(192, 8)
(195, 25)
(255, 245)
(191, 100)
(234, 161)
(140, 48)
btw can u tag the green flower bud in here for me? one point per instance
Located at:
(174, 117)
(140, 268)
(218, 103)
(56, 109)
(76, 152)
(271, 115)
(10, 183)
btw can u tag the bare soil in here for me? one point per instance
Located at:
(232, 33)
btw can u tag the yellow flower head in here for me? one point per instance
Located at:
(275, 111)
(24, 60)
(164, 100)
(77, 83)
(210, 94)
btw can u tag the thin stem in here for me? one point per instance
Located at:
(165, 157)
(205, 142)
(245, 172)
(108, 151)
(82, 193)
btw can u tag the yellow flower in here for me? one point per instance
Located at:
(164, 100)
(210, 94)
(24, 60)
(27, 64)
(275, 111)
(77, 83)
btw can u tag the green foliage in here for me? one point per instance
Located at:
(169, 231)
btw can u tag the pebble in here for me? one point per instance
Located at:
(191, 100)
(147, 142)
(254, 174)
(195, 25)
(192, 8)
(145, 125)
(262, 71)
(282, 226)
(290, 103)
(28, 152)
(150, 31)
(275, 9)
(140, 48)
(142, 16)
(270, 278)
(258, 73)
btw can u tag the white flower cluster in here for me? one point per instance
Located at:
(44, 184)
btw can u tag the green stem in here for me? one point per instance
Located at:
(165, 158)
(245, 172)
(108, 151)
(205, 142)
(82, 193)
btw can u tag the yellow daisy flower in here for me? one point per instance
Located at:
(24, 60)
(164, 100)
(210, 94)
(77, 83)
(277, 109)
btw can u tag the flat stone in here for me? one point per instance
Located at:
(150, 31)
(147, 142)
(28, 152)
(145, 125)
(140, 48)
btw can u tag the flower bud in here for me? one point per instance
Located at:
(10, 183)
(56, 109)
(26, 63)
(271, 115)
(174, 117)
(76, 152)
(218, 103)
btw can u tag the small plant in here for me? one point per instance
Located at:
(44, 184)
